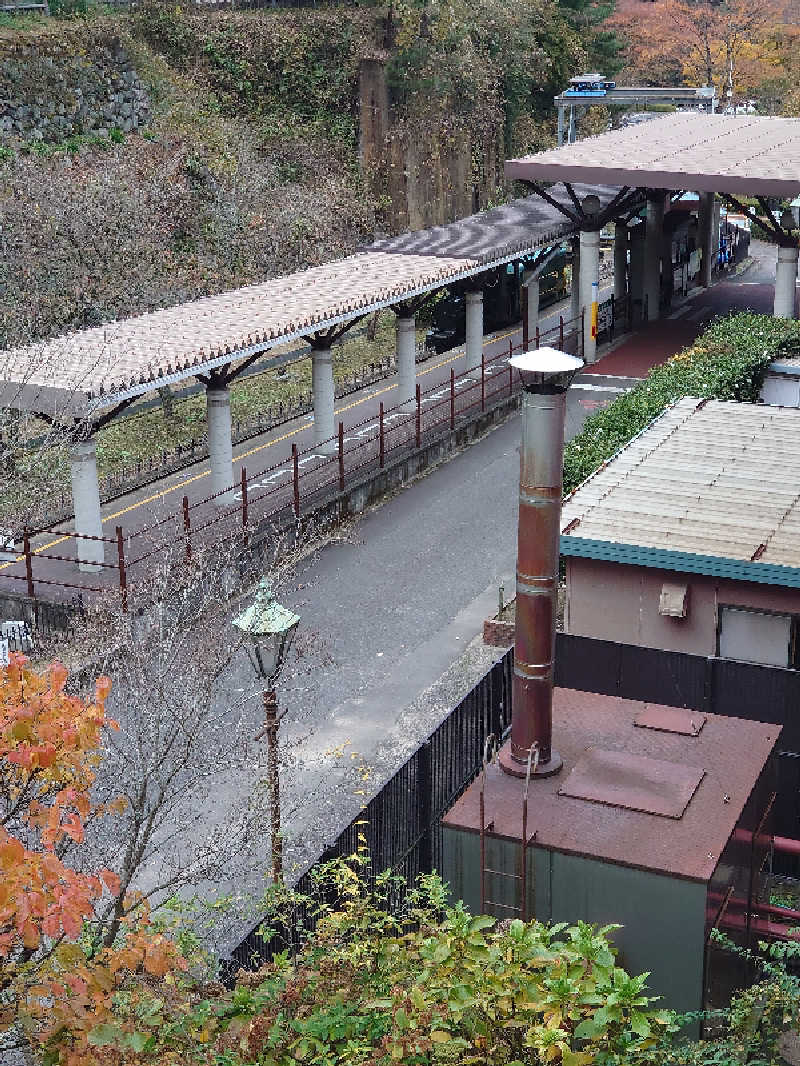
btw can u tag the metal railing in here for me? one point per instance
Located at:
(291, 488)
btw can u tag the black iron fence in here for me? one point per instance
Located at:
(401, 825)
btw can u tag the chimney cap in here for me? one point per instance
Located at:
(546, 361)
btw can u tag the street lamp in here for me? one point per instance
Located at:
(269, 630)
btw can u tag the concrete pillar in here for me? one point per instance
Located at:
(705, 236)
(716, 216)
(531, 308)
(323, 393)
(785, 283)
(620, 264)
(406, 349)
(589, 286)
(575, 289)
(474, 345)
(636, 271)
(220, 445)
(652, 257)
(86, 501)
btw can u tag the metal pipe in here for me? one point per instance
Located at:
(786, 845)
(546, 375)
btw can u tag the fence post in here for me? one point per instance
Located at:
(123, 580)
(510, 380)
(296, 480)
(380, 435)
(483, 381)
(419, 418)
(538, 335)
(341, 457)
(583, 335)
(187, 529)
(424, 808)
(561, 333)
(613, 317)
(26, 547)
(452, 399)
(244, 506)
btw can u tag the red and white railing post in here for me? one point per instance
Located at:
(123, 579)
(341, 457)
(245, 535)
(296, 480)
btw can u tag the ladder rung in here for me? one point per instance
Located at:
(502, 873)
(505, 906)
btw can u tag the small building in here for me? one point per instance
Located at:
(689, 538)
(659, 821)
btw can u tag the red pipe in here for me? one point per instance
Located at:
(786, 845)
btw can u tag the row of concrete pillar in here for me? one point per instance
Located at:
(637, 269)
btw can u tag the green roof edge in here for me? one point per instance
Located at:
(683, 562)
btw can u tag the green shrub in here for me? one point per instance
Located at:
(728, 362)
(430, 986)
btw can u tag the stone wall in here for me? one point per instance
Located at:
(52, 88)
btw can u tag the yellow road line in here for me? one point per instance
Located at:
(253, 451)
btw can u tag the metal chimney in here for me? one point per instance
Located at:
(546, 375)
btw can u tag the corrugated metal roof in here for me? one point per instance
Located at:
(740, 154)
(96, 368)
(715, 479)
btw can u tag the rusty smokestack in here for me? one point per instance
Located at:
(546, 375)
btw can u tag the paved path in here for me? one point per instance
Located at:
(752, 290)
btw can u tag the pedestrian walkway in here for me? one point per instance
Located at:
(656, 342)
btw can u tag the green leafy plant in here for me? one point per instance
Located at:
(749, 1030)
(427, 984)
(728, 362)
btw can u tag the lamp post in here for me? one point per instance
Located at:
(269, 630)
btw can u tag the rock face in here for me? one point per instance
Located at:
(53, 88)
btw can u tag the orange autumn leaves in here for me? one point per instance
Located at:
(48, 750)
(58, 982)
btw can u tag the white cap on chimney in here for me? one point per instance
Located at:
(546, 361)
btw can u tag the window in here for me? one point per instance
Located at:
(757, 637)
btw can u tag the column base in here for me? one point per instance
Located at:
(510, 765)
(328, 447)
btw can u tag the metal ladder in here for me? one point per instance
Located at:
(521, 911)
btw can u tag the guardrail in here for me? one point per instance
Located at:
(289, 489)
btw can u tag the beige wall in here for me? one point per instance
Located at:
(614, 602)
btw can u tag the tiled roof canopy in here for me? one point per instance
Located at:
(741, 155)
(719, 479)
(97, 368)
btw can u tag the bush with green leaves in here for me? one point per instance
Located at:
(431, 984)
(728, 362)
(749, 1031)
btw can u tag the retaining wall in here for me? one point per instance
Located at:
(52, 87)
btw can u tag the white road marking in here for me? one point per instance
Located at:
(599, 388)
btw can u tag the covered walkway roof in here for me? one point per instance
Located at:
(745, 155)
(85, 372)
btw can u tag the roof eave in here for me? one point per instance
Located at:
(679, 562)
